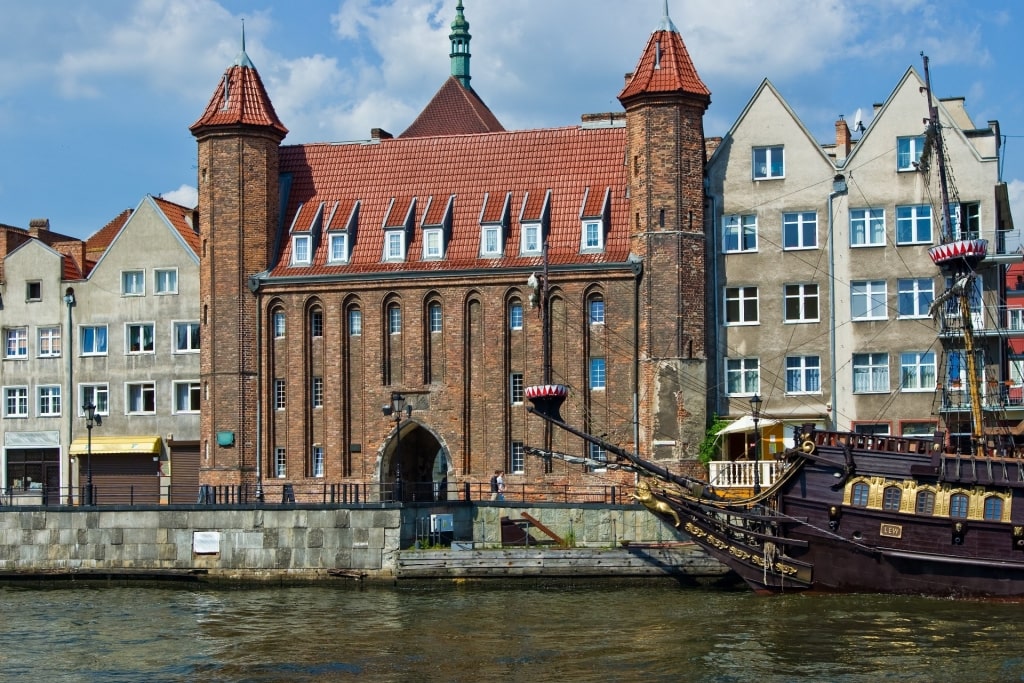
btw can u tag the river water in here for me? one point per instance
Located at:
(530, 632)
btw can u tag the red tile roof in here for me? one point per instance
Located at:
(182, 218)
(454, 110)
(480, 171)
(240, 99)
(98, 242)
(665, 67)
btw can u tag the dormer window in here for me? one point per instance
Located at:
(432, 244)
(908, 152)
(531, 239)
(490, 240)
(338, 245)
(394, 245)
(300, 249)
(593, 236)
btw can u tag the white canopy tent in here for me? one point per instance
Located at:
(746, 424)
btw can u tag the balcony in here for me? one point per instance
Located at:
(726, 474)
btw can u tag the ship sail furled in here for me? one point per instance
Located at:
(960, 391)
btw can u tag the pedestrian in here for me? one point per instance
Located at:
(501, 485)
(494, 484)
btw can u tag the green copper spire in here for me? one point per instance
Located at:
(460, 47)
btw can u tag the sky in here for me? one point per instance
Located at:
(96, 98)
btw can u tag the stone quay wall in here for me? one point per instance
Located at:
(280, 543)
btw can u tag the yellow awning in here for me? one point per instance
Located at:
(116, 444)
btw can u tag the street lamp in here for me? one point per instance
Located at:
(755, 412)
(92, 419)
(396, 408)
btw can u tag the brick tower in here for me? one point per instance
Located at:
(239, 136)
(665, 101)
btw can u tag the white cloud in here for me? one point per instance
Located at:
(186, 195)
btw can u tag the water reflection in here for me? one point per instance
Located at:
(479, 632)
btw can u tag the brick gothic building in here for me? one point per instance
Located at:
(334, 276)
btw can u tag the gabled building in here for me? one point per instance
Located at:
(110, 322)
(827, 283)
(443, 271)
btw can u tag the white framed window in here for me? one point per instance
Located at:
(914, 224)
(867, 227)
(803, 374)
(186, 337)
(965, 219)
(1015, 319)
(914, 296)
(435, 318)
(15, 401)
(279, 394)
(517, 458)
(516, 391)
(49, 342)
(337, 243)
(316, 465)
(515, 316)
(741, 306)
(596, 310)
(48, 400)
(739, 233)
(139, 338)
(868, 300)
(166, 280)
(355, 322)
(318, 392)
(908, 152)
(316, 323)
(490, 240)
(140, 398)
(394, 319)
(598, 454)
(16, 342)
(186, 397)
(801, 303)
(277, 320)
(742, 376)
(301, 249)
(394, 245)
(598, 376)
(279, 463)
(433, 247)
(592, 236)
(800, 230)
(917, 371)
(95, 394)
(133, 282)
(531, 239)
(93, 340)
(769, 163)
(870, 373)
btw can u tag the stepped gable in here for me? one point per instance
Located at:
(665, 68)
(454, 110)
(482, 172)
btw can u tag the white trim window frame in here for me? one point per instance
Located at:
(769, 163)
(530, 239)
(139, 338)
(16, 401)
(433, 244)
(186, 336)
(16, 343)
(799, 230)
(868, 300)
(187, 395)
(801, 303)
(742, 376)
(803, 375)
(98, 394)
(93, 340)
(394, 245)
(741, 306)
(301, 247)
(870, 373)
(914, 296)
(914, 224)
(592, 236)
(739, 233)
(908, 152)
(165, 281)
(140, 398)
(337, 247)
(48, 400)
(490, 240)
(133, 283)
(867, 227)
(316, 465)
(917, 371)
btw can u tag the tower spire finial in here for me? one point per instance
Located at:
(666, 21)
(460, 47)
(243, 58)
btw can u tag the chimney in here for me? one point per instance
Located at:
(629, 77)
(842, 139)
(37, 225)
(380, 134)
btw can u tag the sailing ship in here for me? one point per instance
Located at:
(938, 514)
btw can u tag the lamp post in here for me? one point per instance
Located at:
(838, 189)
(69, 301)
(755, 412)
(396, 408)
(92, 419)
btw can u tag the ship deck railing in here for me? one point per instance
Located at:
(726, 474)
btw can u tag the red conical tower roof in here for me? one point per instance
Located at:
(240, 99)
(665, 68)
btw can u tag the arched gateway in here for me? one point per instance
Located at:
(414, 465)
